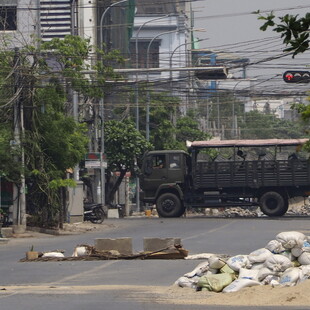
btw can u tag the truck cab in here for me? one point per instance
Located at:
(162, 172)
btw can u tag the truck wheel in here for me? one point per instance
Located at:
(169, 205)
(273, 204)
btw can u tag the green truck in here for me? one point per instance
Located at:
(226, 173)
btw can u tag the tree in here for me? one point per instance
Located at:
(294, 30)
(295, 33)
(124, 145)
(40, 84)
(187, 128)
(258, 125)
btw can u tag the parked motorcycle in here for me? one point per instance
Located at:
(94, 212)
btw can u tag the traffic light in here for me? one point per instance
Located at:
(296, 76)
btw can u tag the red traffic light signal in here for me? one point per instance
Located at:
(296, 77)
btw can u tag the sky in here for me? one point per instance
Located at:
(229, 26)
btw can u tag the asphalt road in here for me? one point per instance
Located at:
(123, 284)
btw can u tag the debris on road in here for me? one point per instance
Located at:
(88, 252)
(284, 261)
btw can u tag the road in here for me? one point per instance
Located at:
(127, 284)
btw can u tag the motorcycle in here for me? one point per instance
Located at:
(94, 212)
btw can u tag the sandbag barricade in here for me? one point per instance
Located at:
(284, 261)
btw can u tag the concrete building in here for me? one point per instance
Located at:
(162, 38)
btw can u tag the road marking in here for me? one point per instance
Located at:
(209, 231)
(85, 273)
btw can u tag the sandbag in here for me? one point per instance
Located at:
(288, 254)
(259, 256)
(265, 272)
(291, 276)
(275, 246)
(199, 270)
(216, 262)
(215, 282)
(251, 274)
(272, 280)
(238, 261)
(290, 239)
(278, 263)
(239, 284)
(305, 269)
(187, 282)
(297, 251)
(304, 258)
(227, 269)
(53, 254)
(80, 251)
(257, 266)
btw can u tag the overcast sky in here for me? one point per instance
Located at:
(230, 27)
(231, 21)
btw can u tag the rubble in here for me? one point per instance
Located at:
(284, 261)
(88, 253)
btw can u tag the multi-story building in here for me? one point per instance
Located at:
(162, 38)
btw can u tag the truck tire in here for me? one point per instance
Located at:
(169, 205)
(273, 204)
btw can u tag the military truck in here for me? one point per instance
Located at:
(226, 173)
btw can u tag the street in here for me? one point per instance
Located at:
(129, 284)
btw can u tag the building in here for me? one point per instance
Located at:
(162, 38)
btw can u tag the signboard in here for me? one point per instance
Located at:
(94, 156)
(96, 164)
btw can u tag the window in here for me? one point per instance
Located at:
(174, 161)
(8, 17)
(159, 161)
(142, 54)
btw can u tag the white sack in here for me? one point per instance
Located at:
(304, 258)
(288, 254)
(265, 272)
(239, 284)
(251, 274)
(199, 270)
(275, 247)
(290, 239)
(272, 280)
(238, 261)
(291, 276)
(259, 256)
(199, 256)
(278, 263)
(257, 266)
(80, 251)
(296, 251)
(187, 282)
(216, 262)
(53, 254)
(305, 269)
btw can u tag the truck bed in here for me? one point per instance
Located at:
(251, 174)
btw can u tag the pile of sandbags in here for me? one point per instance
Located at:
(284, 261)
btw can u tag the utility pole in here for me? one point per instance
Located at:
(19, 212)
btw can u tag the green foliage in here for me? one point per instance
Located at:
(258, 125)
(123, 145)
(188, 128)
(294, 30)
(52, 140)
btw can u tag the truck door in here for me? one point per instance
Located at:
(155, 173)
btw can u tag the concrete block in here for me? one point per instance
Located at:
(156, 244)
(113, 214)
(122, 245)
(76, 219)
(4, 241)
(7, 232)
